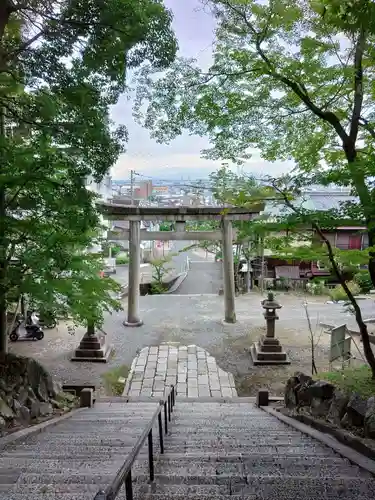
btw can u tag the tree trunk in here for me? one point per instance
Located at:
(248, 276)
(3, 256)
(371, 261)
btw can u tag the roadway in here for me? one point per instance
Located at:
(204, 276)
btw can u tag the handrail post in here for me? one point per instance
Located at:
(172, 398)
(150, 456)
(165, 417)
(129, 486)
(169, 406)
(161, 440)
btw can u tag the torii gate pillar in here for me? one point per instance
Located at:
(228, 273)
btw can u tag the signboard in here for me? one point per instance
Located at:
(340, 344)
(160, 189)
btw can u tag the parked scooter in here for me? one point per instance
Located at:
(46, 320)
(24, 331)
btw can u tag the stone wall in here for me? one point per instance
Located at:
(27, 393)
(322, 400)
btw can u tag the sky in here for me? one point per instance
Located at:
(194, 28)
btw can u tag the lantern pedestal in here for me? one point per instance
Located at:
(268, 352)
(93, 347)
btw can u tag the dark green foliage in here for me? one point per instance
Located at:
(62, 65)
(363, 280)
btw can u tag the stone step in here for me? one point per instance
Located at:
(224, 472)
(66, 452)
(233, 456)
(12, 466)
(248, 450)
(264, 487)
(212, 441)
(52, 495)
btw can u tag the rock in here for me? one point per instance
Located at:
(26, 390)
(41, 391)
(5, 411)
(321, 390)
(345, 421)
(320, 407)
(338, 407)
(35, 409)
(303, 394)
(45, 409)
(290, 396)
(356, 410)
(303, 379)
(3, 424)
(23, 395)
(22, 412)
(56, 388)
(369, 421)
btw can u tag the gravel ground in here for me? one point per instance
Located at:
(198, 320)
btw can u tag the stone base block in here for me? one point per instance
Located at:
(92, 348)
(268, 354)
(135, 324)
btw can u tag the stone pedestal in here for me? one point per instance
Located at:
(93, 347)
(268, 351)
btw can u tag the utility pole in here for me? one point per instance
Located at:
(132, 175)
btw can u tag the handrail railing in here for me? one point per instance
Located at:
(124, 475)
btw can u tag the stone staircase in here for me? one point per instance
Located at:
(215, 450)
(75, 458)
(234, 450)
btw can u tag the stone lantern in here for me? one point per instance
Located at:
(268, 351)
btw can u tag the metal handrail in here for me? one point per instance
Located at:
(124, 475)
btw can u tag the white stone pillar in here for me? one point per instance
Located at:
(134, 274)
(228, 273)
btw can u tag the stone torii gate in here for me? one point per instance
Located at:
(179, 215)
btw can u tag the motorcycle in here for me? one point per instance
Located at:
(22, 330)
(45, 320)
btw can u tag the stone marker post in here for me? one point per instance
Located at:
(268, 351)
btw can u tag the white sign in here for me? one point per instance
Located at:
(340, 344)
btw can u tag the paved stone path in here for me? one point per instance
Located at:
(192, 368)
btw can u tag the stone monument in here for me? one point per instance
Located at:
(268, 351)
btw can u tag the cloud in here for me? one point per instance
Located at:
(194, 27)
(170, 165)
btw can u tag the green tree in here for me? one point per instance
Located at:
(159, 270)
(304, 237)
(62, 65)
(245, 191)
(292, 78)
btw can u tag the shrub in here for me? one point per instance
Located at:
(363, 280)
(124, 259)
(316, 287)
(338, 293)
(157, 288)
